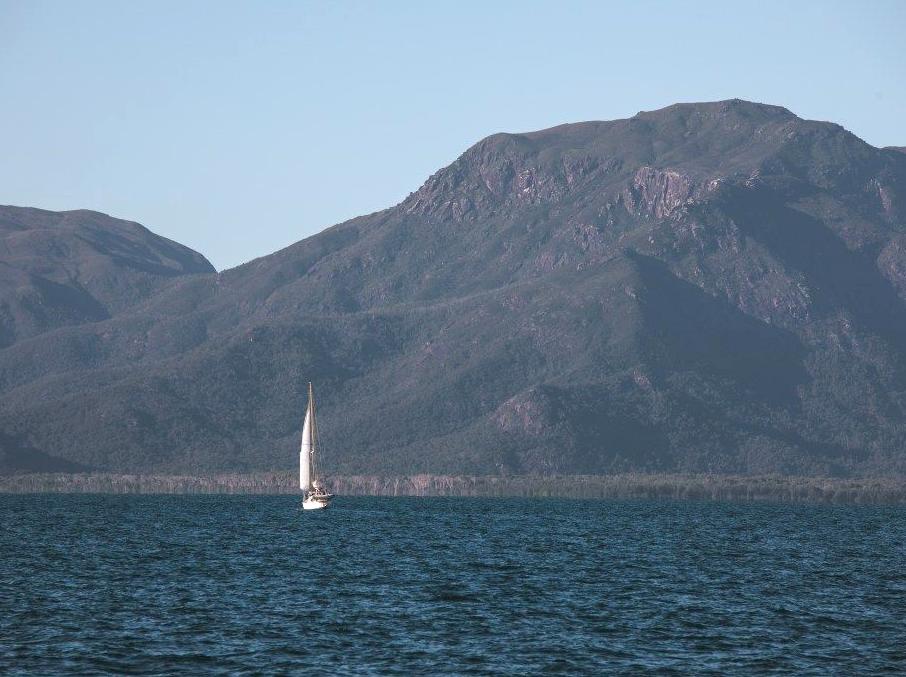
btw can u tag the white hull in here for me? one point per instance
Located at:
(315, 503)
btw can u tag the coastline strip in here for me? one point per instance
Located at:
(621, 486)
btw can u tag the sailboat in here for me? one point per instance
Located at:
(314, 495)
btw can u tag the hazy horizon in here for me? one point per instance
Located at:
(240, 129)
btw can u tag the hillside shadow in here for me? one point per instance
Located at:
(841, 277)
(69, 300)
(686, 329)
(17, 456)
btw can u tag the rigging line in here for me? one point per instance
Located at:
(316, 438)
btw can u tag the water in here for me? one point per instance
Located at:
(158, 584)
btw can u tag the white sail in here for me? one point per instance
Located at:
(314, 495)
(305, 451)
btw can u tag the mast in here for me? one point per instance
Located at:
(314, 436)
(308, 446)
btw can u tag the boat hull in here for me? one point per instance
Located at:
(315, 503)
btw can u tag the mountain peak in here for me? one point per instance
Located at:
(720, 113)
(703, 142)
(721, 109)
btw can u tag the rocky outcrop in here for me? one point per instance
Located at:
(657, 193)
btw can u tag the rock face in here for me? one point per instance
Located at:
(709, 287)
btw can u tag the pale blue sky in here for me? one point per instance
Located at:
(239, 128)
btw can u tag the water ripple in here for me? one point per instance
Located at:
(220, 585)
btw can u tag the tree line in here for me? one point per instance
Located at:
(772, 488)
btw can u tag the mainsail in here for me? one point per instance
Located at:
(314, 494)
(307, 447)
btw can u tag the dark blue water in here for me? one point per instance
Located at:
(407, 586)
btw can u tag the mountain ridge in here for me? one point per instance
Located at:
(78, 266)
(708, 287)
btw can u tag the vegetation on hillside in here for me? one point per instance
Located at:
(709, 288)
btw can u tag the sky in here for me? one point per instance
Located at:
(238, 128)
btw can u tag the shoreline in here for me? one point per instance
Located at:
(766, 488)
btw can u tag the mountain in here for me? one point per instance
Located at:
(714, 287)
(67, 268)
(62, 269)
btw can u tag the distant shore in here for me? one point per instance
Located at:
(630, 486)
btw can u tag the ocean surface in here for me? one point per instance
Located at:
(217, 584)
